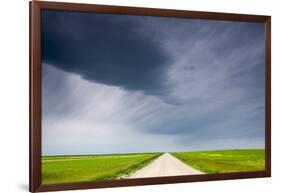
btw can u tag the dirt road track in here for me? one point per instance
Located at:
(165, 165)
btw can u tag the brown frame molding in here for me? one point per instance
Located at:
(35, 8)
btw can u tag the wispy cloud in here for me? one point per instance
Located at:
(151, 84)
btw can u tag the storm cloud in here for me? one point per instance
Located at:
(103, 48)
(119, 83)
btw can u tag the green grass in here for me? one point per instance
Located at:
(224, 161)
(63, 169)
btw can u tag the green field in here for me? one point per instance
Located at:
(63, 169)
(82, 168)
(224, 161)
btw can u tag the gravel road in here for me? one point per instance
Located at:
(165, 165)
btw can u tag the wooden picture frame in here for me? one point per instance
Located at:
(35, 93)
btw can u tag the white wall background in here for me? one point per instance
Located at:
(14, 95)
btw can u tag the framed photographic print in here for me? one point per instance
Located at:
(125, 96)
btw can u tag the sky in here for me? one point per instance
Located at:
(125, 84)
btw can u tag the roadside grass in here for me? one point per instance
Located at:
(224, 161)
(63, 169)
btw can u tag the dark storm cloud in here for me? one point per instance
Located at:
(103, 48)
(202, 84)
